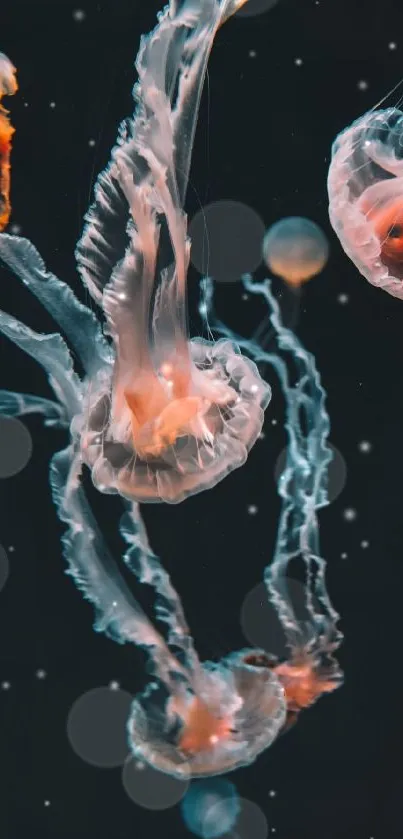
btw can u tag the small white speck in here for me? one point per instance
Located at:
(252, 53)
(79, 15)
(343, 298)
(52, 104)
(11, 549)
(274, 422)
(91, 142)
(139, 766)
(114, 685)
(362, 85)
(344, 555)
(365, 543)
(47, 803)
(26, 104)
(298, 62)
(261, 436)
(245, 297)
(40, 674)
(364, 446)
(252, 509)
(392, 45)
(5, 685)
(272, 793)
(15, 229)
(350, 514)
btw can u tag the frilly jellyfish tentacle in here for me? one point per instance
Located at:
(78, 323)
(177, 414)
(19, 404)
(148, 569)
(193, 719)
(302, 484)
(51, 352)
(365, 185)
(96, 574)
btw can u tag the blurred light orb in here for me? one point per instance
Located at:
(295, 249)
(210, 808)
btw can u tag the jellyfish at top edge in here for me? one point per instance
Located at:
(197, 718)
(365, 187)
(295, 249)
(160, 417)
(8, 86)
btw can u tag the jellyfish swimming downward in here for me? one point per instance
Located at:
(158, 416)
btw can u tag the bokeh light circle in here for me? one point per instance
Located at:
(226, 240)
(149, 788)
(210, 808)
(337, 472)
(251, 822)
(4, 567)
(15, 446)
(96, 727)
(259, 619)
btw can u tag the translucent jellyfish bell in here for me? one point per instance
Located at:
(365, 186)
(295, 249)
(165, 416)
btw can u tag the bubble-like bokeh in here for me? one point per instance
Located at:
(226, 240)
(337, 472)
(96, 727)
(15, 446)
(151, 789)
(210, 808)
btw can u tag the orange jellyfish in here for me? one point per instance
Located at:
(295, 249)
(8, 86)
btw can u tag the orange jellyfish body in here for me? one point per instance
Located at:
(8, 86)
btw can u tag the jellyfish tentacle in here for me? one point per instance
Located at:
(302, 484)
(20, 404)
(96, 574)
(78, 323)
(146, 566)
(51, 352)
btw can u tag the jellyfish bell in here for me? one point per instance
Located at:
(231, 712)
(295, 249)
(365, 185)
(163, 438)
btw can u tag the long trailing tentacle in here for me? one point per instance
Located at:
(303, 483)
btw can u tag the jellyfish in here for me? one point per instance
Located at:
(365, 188)
(8, 86)
(295, 249)
(160, 416)
(204, 718)
(155, 416)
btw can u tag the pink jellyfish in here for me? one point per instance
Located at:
(162, 416)
(365, 186)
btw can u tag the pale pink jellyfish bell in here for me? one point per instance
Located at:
(295, 249)
(170, 416)
(365, 186)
